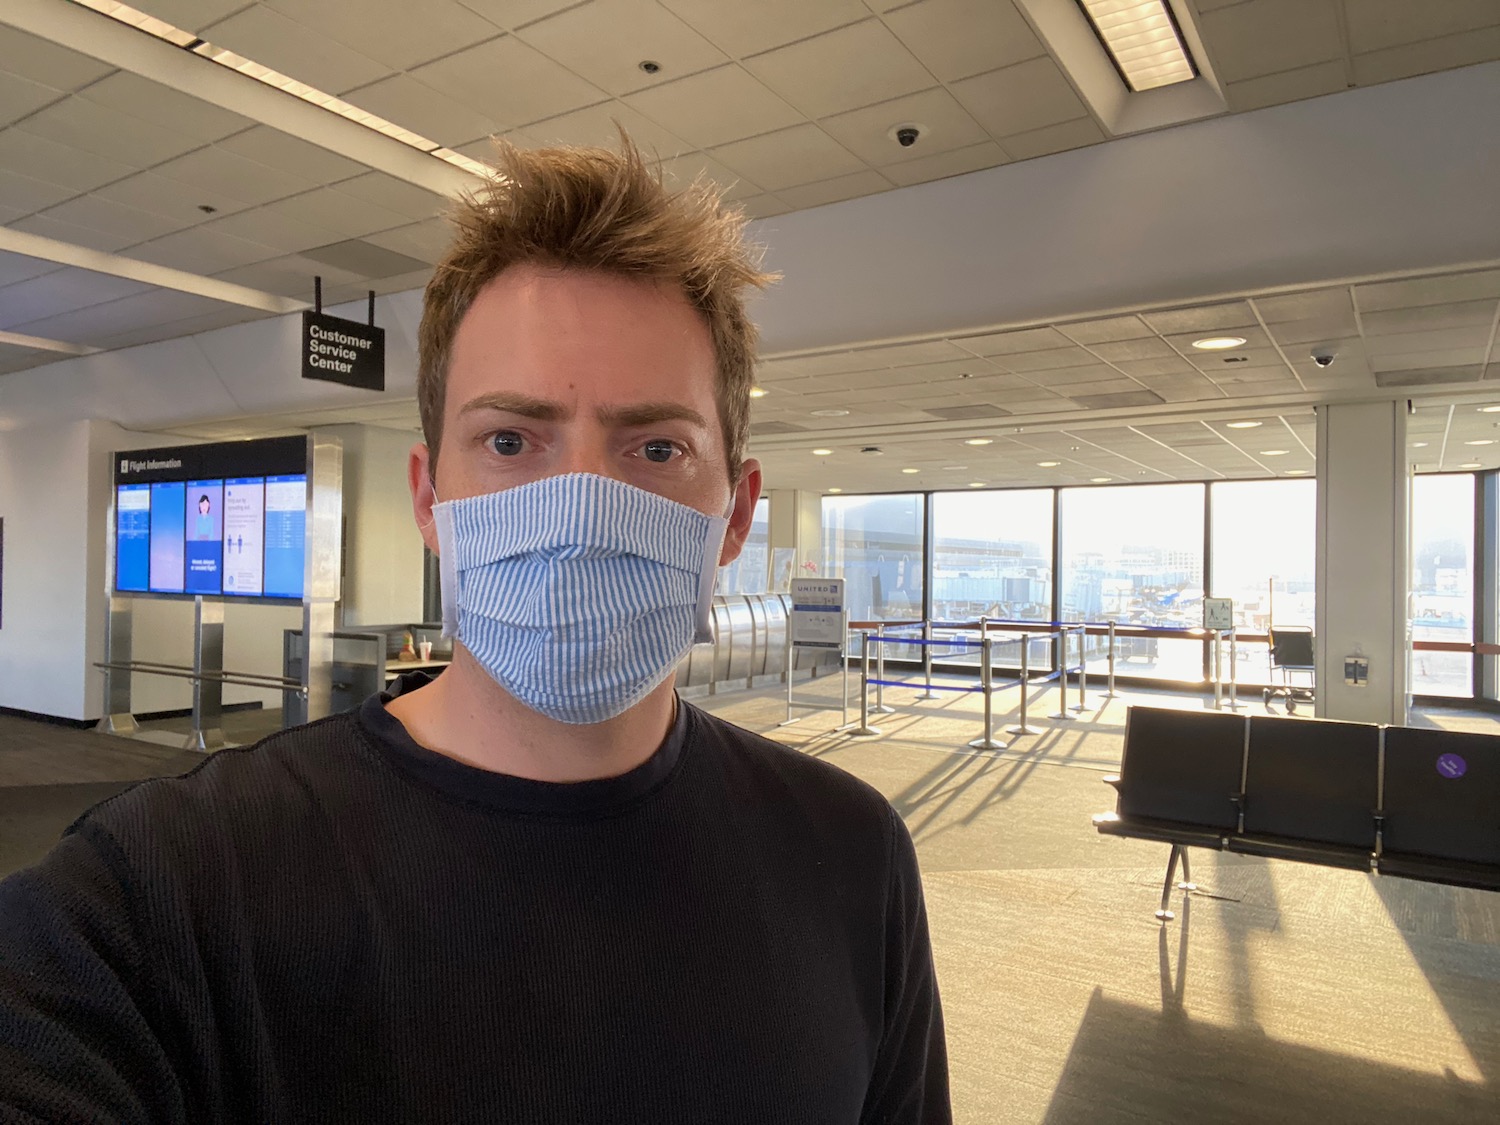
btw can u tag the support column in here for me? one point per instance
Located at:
(797, 522)
(1363, 558)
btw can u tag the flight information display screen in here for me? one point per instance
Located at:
(224, 519)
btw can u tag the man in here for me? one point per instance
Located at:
(538, 888)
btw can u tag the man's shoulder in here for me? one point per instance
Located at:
(764, 770)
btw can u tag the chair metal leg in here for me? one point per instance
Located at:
(1187, 883)
(1165, 915)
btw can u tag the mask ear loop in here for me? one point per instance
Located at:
(442, 522)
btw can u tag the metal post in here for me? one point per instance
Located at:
(117, 644)
(927, 661)
(1083, 669)
(1218, 671)
(208, 666)
(844, 660)
(864, 730)
(880, 704)
(1110, 688)
(986, 681)
(1234, 672)
(1060, 638)
(789, 675)
(1021, 727)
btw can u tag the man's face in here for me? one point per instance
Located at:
(556, 371)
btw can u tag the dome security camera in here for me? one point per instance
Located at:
(1323, 357)
(906, 135)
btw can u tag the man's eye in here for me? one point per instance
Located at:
(507, 443)
(659, 451)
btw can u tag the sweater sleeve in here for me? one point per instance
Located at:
(76, 1042)
(910, 1082)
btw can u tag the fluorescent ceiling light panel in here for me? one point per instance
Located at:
(265, 75)
(1142, 38)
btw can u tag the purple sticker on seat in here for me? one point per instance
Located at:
(1451, 765)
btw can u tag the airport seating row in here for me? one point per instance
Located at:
(1416, 803)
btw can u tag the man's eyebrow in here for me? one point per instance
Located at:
(650, 413)
(544, 410)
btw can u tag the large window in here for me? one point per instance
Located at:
(751, 572)
(1442, 581)
(1133, 554)
(875, 544)
(1263, 555)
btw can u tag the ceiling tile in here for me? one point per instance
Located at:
(273, 40)
(945, 126)
(842, 70)
(1377, 24)
(190, 15)
(344, 214)
(1020, 98)
(1008, 343)
(61, 291)
(25, 195)
(1463, 314)
(715, 107)
(681, 171)
(1053, 138)
(1288, 86)
(116, 219)
(427, 241)
(201, 251)
(508, 82)
(945, 164)
(72, 232)
(55, 163)
(395, 32)
(1317, 304)
(21, 97)
(100, 131)
(762, 206)
(290, 276)
(1202, 318)
(1106, 331)
(1053, 358)
(1411, 292)
(146, 191)
(604, 42)
(395, 195)
(511, 14)
(960, 38)
(599, 125)
(152, 102)
(1268, 36)
(275, 149)
(744, 29)
(409, 103)
(271, 225)
(217, 169)
(18, 267)
(40, 60)
(1141, 348)
(802, 154)
(1426, 58)
(98, 323)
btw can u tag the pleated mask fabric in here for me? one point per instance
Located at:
(578, 593)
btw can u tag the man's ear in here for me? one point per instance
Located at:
(423, 494)
(746, 493)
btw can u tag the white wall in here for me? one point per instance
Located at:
(382, 547)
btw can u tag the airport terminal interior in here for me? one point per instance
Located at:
(1128, 357)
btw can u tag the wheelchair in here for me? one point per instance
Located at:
(1292, 656)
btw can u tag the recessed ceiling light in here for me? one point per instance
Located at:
(1489, 410)
(1100, 480)
(911, 470)
(1242, 425)
(835, 490)
(1274, 452)
(1470, 465)
(1048, 464)
(1419, 445)
(757, 392)
(976, 484)
(829, 413)
(1481, 441)
(1296, 472)
(979, 441)
(822, 452)
(1218, 343)
(1142, 38)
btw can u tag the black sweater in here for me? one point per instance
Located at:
(338, 925)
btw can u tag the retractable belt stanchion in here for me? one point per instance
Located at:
(986, 680)
(928, 693)
(1021, 727)
(1110, 689)
(864, 730)
(880, 708)
(1234, 672)
(1218, 670)
(1060, 638)
(1083, 670)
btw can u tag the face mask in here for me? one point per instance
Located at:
(579, 594)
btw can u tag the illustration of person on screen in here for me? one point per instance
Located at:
(203, 526)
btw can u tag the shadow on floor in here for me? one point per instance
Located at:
(34, 817)
(1131, 1063)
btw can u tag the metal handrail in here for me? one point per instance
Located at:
(185, 672)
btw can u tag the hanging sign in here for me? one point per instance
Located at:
(343, 351)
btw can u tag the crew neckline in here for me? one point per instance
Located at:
(505, 792)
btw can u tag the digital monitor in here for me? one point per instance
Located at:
(225, 519)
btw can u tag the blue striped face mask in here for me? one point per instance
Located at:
(579, 594)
